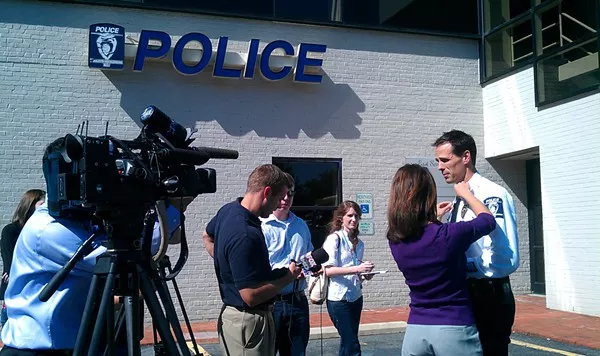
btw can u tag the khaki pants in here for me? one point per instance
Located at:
(250, 332)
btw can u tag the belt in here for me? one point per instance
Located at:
(289, 296)
(488, 282)
(246, 309)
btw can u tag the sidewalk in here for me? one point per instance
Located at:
(532, 318)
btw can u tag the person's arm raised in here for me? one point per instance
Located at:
(462, 191)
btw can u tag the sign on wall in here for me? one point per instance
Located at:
(107, 43)
(366, 228)
(106, 47)
(365, 202)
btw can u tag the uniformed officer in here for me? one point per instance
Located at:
(492, 258)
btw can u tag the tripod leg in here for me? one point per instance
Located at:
(167, 301)
(89, 315)
(106, 305)
(185, 316)
(119, 325)
(158, 316)
(132, 316)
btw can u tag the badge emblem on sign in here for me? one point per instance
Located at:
(107, 44)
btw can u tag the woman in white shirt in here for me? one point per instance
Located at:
(345, 265)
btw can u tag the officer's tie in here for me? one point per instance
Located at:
(454, 211)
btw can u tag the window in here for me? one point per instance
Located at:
(568, 73)
(508, 47)
(560, 38)
(458, 18)
(498, 12)
(318, 191)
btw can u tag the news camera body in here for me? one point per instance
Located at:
(119, 183)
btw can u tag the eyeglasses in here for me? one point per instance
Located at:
(291, 193)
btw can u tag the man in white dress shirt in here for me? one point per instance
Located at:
(492, 258)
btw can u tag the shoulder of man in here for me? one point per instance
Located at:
(494, 196)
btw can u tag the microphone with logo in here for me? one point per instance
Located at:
(311, 262)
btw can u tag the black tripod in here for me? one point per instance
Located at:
(125, 270)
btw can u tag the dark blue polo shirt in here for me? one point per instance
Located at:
(240, 254)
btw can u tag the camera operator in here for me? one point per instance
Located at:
(45, 245)
(246, 282)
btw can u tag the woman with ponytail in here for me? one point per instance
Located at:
(344, 268)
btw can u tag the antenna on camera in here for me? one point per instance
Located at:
(77, 131)
(106, 129)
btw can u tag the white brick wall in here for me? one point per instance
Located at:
(385, 97)
(568, 137)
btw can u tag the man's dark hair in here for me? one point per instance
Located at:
(291, 180)
(460, 142)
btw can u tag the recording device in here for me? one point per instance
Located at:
(101, 174)
(311, 262)
(122, 184)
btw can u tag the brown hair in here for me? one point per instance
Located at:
(267, 175)
(26, 206)
(412, 204)
(291, 180)
(338, 218)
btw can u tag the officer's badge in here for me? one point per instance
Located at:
(495, 206)
(464, 210)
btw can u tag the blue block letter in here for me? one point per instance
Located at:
(251, 61)
(178, 53)
(303, 61)
(144, 52)
(264, 60)
(219, 70)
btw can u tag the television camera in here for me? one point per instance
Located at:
(126, 186)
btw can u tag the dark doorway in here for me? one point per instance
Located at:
(536, 231)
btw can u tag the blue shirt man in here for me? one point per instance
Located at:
(44, 246)
(492, 258)
(288, 238)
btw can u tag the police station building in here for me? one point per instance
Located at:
(340, 93)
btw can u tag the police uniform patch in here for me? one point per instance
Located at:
(495, 205)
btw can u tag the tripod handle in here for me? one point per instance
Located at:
(62, 274)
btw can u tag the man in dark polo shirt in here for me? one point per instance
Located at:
(246, 282)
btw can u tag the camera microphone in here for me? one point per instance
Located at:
(311, 262)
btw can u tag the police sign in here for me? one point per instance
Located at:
(106, 48)
(107, 42)
(253, 59)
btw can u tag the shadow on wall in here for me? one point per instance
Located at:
(271, 109)
(512, 173)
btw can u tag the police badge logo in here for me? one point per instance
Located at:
(106, 46)
(495, 206)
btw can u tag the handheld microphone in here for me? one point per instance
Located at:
(311, 262)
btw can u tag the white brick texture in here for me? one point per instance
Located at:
(568, 137)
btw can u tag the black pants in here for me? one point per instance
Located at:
(9, 351)
(494, 309)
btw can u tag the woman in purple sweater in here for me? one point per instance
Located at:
(431, 255)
